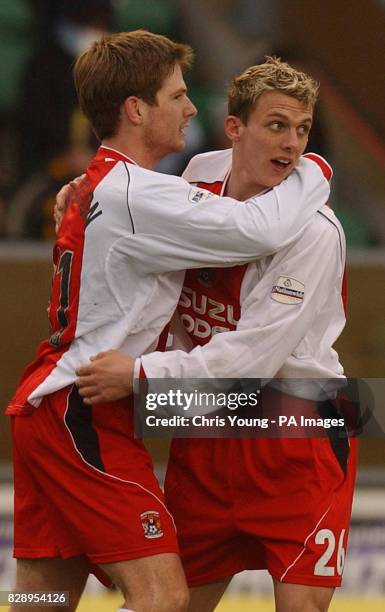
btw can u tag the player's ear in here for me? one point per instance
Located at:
(133, 108)
(233, 127)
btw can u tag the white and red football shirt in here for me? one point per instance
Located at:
(122, 250)
(286, 308)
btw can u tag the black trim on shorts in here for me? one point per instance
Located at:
(78, 419)
(338, 436)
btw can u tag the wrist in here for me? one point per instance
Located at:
(139, 377)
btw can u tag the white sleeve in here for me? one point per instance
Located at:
(274, 317)
(178, 226)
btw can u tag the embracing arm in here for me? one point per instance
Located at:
(193, 228)
(276, 315)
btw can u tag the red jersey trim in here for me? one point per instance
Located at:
(327, 170)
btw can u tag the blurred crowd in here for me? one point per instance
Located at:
(44, 138)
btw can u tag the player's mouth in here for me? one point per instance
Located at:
(282, 164)
(183, 127)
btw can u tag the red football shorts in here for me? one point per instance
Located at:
(279, 504)
(84, 485)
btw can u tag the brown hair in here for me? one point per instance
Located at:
(122, 65)
(273, 75)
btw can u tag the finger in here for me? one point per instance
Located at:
(61, 198)
(94, 399)
(88, 391)
(84, 381)
(60, 208)
(98, 356)
(84, 370)
(77, 181)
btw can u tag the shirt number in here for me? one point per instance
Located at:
(64, 270)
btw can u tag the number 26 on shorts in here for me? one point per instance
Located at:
(322, 568)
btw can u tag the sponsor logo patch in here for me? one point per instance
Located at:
(288, 290)
(151, 524)
(197, 195)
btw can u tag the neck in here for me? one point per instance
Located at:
(134, 149)
(241, 185)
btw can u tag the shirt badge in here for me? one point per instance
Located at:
(288, 290)
(205, 277)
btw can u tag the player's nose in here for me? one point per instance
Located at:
(191, 110)
(290, 139)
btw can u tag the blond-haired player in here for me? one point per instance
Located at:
(281, 504)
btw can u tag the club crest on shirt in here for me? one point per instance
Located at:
(288, 290)
(205, 277)
(151, 524)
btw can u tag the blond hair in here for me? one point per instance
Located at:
(122, 65)
(272, 75)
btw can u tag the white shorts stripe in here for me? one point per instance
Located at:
(304, 545)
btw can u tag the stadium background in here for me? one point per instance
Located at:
(44, 140)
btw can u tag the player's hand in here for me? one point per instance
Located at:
(107, 378)
(63, 199)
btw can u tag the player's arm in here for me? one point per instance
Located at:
(275, 317)
(178, 226)
(110, 374)
(193, 228)
(274, 320)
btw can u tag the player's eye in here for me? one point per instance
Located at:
(303, 130)
(276, 126)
